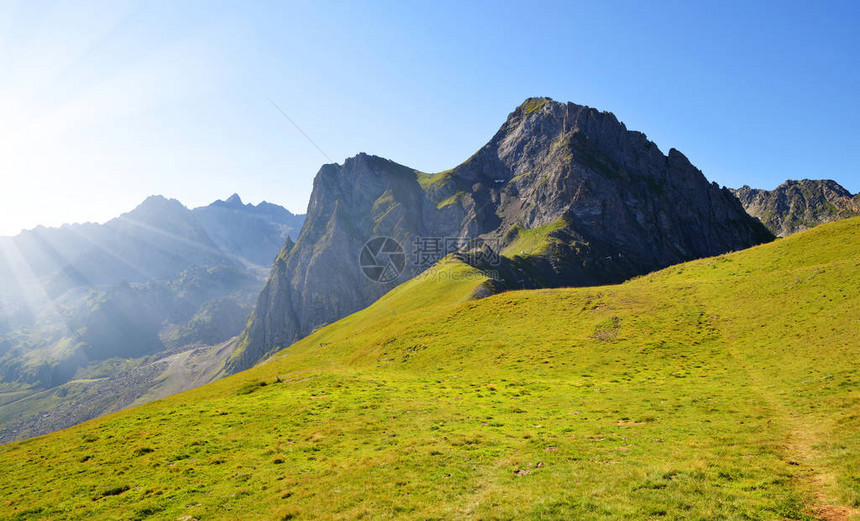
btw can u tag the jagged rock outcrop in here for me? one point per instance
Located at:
(565, 193)
(799, 205)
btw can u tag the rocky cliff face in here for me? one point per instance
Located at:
(565, 194)
(319, 279)
(799, 205)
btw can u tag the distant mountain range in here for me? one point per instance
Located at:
(799, 205)
(251, 233)
(84, 306)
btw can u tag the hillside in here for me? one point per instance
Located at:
(723, 388)
(795, 206)
(561, 195)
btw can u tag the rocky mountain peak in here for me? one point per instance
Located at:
(155, 202)
(598, 204)
(234, 200)
(827, 187)
(541, 130)
(795, 205)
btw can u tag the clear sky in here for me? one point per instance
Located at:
(104, 103)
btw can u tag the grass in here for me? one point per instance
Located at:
(534, 104)
(457, 199)
(724, 388)
(427, 181)
(532, 241)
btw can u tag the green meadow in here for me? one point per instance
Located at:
(724, 388)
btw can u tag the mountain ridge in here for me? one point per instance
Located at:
(252, 232)
(617, 207)
(799, 205)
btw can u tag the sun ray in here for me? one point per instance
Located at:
(31, 288)
(205, 247)
(109, 250)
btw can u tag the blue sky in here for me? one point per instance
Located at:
(104, 103)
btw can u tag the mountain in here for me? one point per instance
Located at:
(799, 205)
(156, 240)
(96, 317)
(722, 388)
(250, 232)
(562, 195)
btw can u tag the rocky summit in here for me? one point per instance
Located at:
(562, 195)
(795, 206)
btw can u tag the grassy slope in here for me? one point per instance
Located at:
(725, 388)
(532, 241)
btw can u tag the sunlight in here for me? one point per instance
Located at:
(623, 333)
(67, 107)
(109, 250)
(29, 289)
(183, 240)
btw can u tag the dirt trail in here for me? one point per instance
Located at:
(804, 435)
(818, 480)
